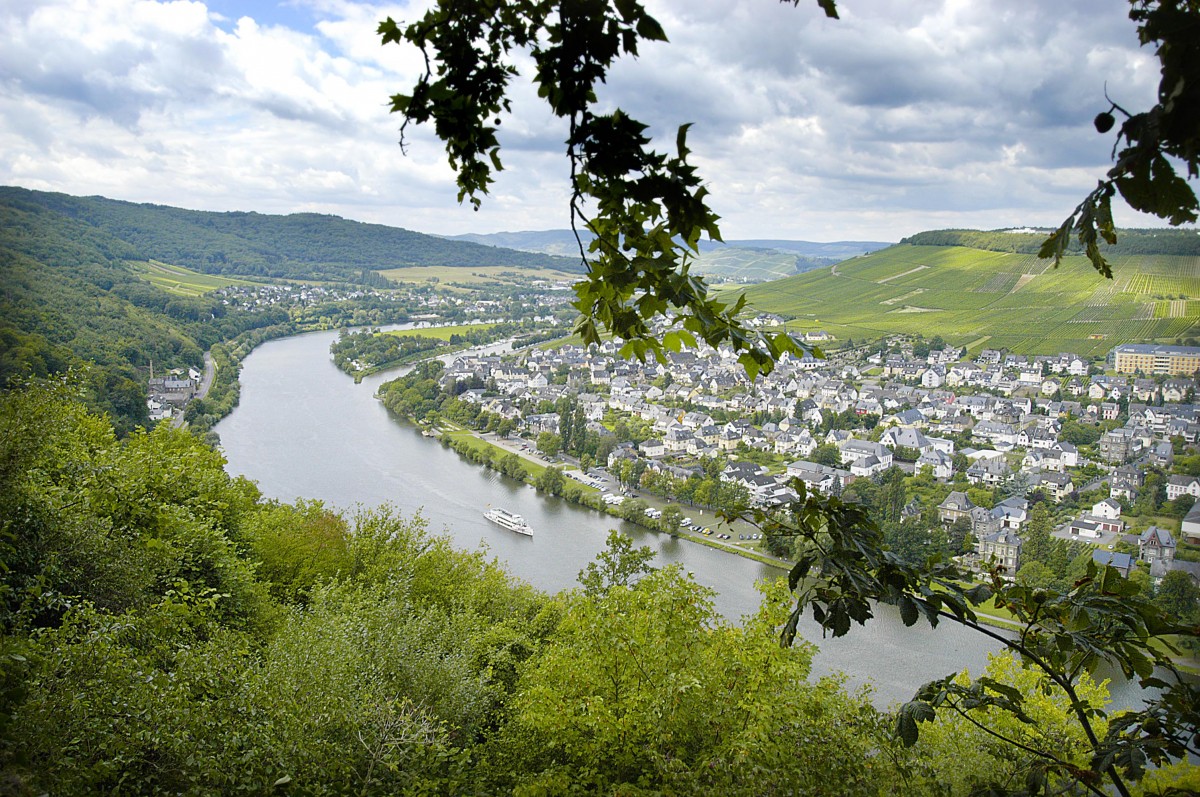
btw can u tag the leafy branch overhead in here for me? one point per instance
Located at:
(1143, 172)
(646, 209)
(843, 571)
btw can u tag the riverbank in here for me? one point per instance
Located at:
(499, 450)
(408, 359)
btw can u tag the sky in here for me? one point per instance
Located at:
(897, 118)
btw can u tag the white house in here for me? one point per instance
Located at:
(1182, 485)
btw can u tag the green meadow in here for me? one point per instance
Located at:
(181, 281)
(439, 333)
(973, 297)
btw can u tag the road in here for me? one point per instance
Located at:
(210, 371)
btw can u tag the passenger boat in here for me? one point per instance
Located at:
(510, 521)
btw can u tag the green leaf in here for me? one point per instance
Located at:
(829, 7)
(649, 29)
(907, 718)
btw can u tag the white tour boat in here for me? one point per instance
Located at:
(510, 521)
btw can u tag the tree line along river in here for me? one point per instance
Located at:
(303, 429)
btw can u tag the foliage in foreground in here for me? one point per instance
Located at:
(166, 630)
(843, 568)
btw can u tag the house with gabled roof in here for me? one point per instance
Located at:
(956, 505)
(1178, 485)
(1122, 562)
(820, 478)
(1002, 547)
(1189, 530)
(1109, 509)
(1156, 544)
(939, 464)
(989, 471)
(1011, 512)
(866, 458)
(1056, 485)
(907, 437)
(1119, 445)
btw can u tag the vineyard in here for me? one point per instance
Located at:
(1015, 301)
(181, 281)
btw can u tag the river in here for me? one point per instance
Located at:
(305, 429)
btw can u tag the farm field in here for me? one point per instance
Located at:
(475, 275)
(1013, 301)
(182, 281)
(439, 333)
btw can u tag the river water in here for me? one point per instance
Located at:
(305, 429)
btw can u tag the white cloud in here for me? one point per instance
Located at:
(894, 119)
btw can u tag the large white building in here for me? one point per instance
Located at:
(1151, 358)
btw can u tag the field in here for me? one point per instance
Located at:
(181, 281)
(974, 297)
(475, 276)
(440, 333)
(745, 264)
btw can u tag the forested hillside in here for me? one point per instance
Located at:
(76, 295)
(300, 246)
(1129, 242)
(70, 301)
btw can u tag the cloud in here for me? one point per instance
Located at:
(896, 118)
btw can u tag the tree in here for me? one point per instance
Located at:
(550, 480)
(549, 443)
(827, 454)
(634, 509)
(650, 208)
(1143, 173)
(650, 213)
(671, 518)
(1036, 537)
(618, 565)
(1035, 573)
(959, 536)
(643, 689)
(1178, 595)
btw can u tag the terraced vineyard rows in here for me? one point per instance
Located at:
(1019, 301)
(182, 281)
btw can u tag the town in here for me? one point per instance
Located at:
(1107, 449)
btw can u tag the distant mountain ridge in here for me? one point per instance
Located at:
(750, 260)
(563, 242)
(297, 246)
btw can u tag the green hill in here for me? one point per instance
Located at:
(300, 246)
(997, 299)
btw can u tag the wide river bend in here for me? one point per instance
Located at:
(304, 429)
